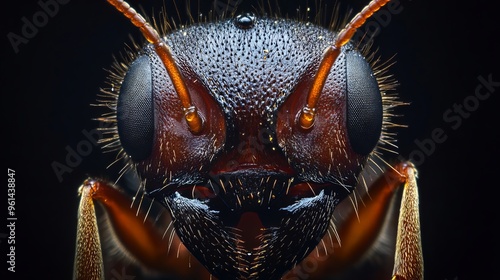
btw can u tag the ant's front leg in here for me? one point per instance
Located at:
(408, 261)
(132, 229)
(88, 257)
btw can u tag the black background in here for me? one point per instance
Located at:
(440, 49)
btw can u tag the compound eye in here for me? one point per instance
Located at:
(364, 105)
(135, 111)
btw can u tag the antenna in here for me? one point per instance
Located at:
(193, 118)
(306, 119)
